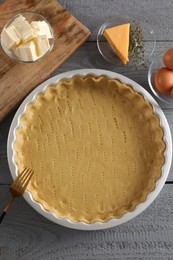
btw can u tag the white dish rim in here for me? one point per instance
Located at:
(140, 207)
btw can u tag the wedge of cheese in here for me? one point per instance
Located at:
(118, 38)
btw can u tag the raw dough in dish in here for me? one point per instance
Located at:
(95, 145)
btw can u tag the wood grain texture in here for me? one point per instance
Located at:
(17, 79)
(25, 235)
(156, 13)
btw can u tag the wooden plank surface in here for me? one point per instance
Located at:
(69, 35)
(156, 13)
(25, 235)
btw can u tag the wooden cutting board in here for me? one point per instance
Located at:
(17, 80)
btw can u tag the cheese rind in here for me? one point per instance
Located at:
(118, 37)
(10, 37)
(27, 51)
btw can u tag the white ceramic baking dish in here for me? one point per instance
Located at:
(151, 196)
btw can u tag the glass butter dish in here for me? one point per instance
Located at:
(27, 37)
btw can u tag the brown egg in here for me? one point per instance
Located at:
(163, 80)
(168, 59)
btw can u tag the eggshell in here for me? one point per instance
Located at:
(163, 80)
(168, 59)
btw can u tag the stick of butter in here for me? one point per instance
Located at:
(27, 51)
(10, 37)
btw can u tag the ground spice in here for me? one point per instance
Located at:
(136, 43)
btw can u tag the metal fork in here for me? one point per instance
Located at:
(17, 188)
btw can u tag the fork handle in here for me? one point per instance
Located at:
(6, 209)
(2, 216)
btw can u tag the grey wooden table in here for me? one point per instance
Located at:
(24, 234)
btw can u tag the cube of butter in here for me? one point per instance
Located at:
(10, 37)
(25, 31)
(42, 28)
(18, 22)
(27, 51)
(42, 44)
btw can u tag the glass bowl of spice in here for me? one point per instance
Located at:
(27, 37)
(135, 38)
